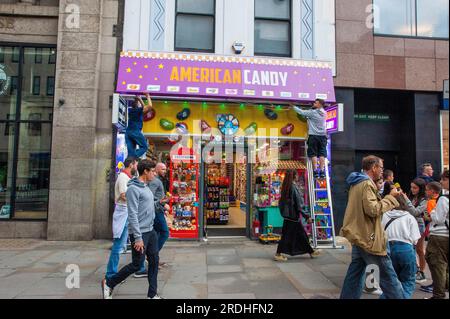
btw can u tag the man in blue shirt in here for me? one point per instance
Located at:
(133, 135)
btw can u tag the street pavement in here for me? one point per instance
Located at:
(216, 269)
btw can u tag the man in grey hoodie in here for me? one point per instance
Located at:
(317, 131)
(144, 239)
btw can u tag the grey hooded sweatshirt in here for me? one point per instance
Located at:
(141, 208)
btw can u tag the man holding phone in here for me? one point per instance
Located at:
(144, 239)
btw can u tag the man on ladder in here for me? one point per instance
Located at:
(318, 179)
(317, 131)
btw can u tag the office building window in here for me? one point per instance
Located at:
(38, 56)
(36, 85)
(273, 27)
(50, 86)
(195, 25)
(412, 18)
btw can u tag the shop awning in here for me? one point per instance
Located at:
(215, 77)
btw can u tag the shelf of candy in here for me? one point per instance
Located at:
(217, 195)
(184, 200)
(262, 191)
(275, 188)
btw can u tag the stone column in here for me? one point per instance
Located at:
(81, 146)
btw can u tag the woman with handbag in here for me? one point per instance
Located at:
(294, 240)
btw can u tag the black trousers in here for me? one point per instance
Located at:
(151, 251)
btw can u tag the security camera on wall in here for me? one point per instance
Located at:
(238, 47)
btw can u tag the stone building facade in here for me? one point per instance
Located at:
(76, 177)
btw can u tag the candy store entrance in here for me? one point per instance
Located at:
(225, 197)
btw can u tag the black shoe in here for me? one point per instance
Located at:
(140, 274)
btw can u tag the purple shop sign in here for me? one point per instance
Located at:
(335, 118)
(224, 77)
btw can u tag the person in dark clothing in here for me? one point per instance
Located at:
(426, 173)
(133, 134)
(294, 240)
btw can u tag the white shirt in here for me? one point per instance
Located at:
(121, 188)
(404, 228)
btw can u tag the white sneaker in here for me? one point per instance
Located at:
(376, 292)
(155, 297)
(106, 291)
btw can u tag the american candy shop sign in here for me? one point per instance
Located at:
(224, 77)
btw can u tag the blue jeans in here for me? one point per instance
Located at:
(135, 137)
(163, 233)
(403, 258)
(354, 280)
(150, 240)
(114, 257)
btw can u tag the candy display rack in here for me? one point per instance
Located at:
(184, 177)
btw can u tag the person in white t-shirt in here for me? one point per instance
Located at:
(403, 232)
(120, 216)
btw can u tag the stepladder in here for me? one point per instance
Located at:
(321, 208)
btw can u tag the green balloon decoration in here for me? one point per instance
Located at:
(251, 129)
(166, 124)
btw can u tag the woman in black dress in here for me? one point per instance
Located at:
(294, 240)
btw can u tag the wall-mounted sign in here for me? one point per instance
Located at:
(335, 119)
(373, 117)
(445, 96)
(120, 111)
(223, 77)
(5, 81)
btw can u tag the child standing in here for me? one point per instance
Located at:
(438, 245)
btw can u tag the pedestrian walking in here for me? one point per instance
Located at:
(437, 249)
(294, 240)
(363, 228)
(317, 131)
(402, 231)
(144, 239)
(426, 173)
(416, 205)
(133, 135)
(162, 208)
(120, 216)
(375, 286)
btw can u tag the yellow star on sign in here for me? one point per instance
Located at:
(123, 83)
(140, 76)
(161, 66)
(145, 66)
(129, 70)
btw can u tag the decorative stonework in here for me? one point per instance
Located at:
(307, 29)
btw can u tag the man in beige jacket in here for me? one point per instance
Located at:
(363, 228)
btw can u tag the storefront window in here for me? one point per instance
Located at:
(6, 160)
(413, 18)
(26, 110)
